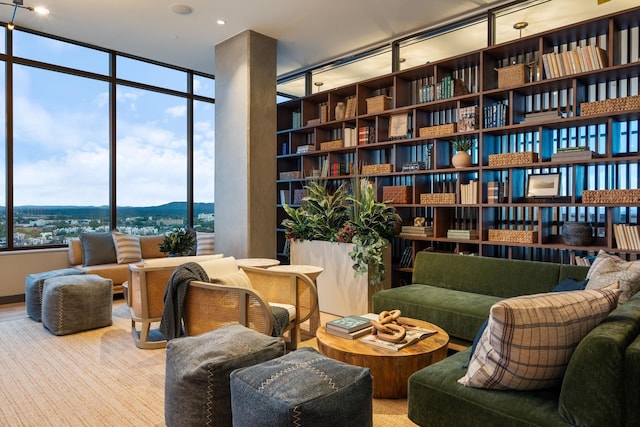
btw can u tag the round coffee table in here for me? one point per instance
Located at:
(390, 369)
(257, 262)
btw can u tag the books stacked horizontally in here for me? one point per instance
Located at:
(426, 231)
(495, 192)
(627, 236)
(462, 234)
(572, 153)
(305, 148)
(544, 116)
(350, 327)
(414, 334)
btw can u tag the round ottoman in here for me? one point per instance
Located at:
(302, 388)
(76, 303)
(197, 373)
(33, 289)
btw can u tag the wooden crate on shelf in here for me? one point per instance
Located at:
(506, 159)
(377, 104)
(513, 236)
(332, 145)
(627, 103)
(435, 131)
(396, 194)
(375, 169)
(438, 198)
(611, 196)
(512, 75)
(291, 175)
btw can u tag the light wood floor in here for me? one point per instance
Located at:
(12, 311)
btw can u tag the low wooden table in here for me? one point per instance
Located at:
(390, 369)
(257, 262)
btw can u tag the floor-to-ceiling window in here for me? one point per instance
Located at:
(80, 136)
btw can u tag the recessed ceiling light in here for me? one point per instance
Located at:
(181, 9)
(221, 22)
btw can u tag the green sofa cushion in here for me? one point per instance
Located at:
(485, 275)
(436, 399)
(460, 313)
(596, 369)
(631, 413)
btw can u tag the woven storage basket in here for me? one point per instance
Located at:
(438, 199)
(373, 169)
(513, 158)
(611, 196)
(396, 194)
(377, 104)
(290, 175)
(512, 75)
(332, 145)
(433, 131)
(604, 107)
(513, 236)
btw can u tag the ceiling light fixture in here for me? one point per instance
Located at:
(520, 26)
(221, 22)
(181, 9)
(20, 4)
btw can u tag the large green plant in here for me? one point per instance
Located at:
(339, 217)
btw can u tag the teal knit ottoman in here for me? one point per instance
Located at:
(197, 373)
(76, 303)
(33, 289)
(303, 388)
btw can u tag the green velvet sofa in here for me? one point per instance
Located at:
(600, 387)
(456, 292)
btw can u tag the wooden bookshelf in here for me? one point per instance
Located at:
(459, 84)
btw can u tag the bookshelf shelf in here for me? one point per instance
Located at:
(471, 80)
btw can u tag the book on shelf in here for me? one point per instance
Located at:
(406, 258)
(350, 335)
(462, 234)
(469, 193)
(414, 334)
(349, 324)
(420, 231)
(305, 148)
(627, 236)
(543, 116)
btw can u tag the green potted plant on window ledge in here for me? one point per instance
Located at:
(179, 242)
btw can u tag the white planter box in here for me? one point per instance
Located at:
(339, 292)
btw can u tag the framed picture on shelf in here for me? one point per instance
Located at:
(398, 125)
(543, 185)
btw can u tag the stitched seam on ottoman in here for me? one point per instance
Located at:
(60, 310)
(297, 366)
(209, 402)
(297, 416)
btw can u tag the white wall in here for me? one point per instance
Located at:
(15, 266)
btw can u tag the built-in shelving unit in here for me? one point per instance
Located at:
(527, 113)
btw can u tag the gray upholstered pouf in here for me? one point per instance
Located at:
(197, 373)
(76, 303)
(302, 388)
(33, 289)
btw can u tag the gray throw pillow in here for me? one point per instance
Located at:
(98, 248)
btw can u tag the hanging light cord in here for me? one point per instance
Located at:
(15, 9)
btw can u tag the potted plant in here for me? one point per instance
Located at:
(462, 159)
(179, 242)
(332, 225)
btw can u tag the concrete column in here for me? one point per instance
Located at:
(245, 152)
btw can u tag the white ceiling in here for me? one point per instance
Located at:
(308, 32)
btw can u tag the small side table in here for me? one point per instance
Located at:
(257, 262)
(313, 272)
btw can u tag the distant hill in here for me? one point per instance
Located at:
(173, 209)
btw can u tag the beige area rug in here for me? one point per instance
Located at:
(97, 378)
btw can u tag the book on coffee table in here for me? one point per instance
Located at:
(350, 336)
(349, 324)
(414, 334)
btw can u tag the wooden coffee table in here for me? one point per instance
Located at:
(390, 369)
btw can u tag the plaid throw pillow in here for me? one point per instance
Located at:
(610, 268)
(529, 339)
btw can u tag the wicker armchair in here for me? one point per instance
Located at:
(209, 306)
(145, 296)
(283, 287)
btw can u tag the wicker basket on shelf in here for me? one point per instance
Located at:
(438, 198)
(611, 196)
(513, 236)
(434, 131)
(396, 194)
(332, 145)
(627, 103)
(375, 169)
(513, 75)
(508, 159)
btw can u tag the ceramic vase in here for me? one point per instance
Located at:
(461, 159)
